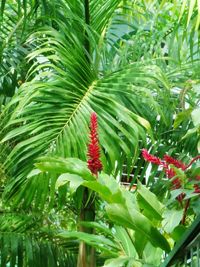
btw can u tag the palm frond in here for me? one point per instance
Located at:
(22, 243)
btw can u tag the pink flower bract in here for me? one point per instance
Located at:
(94, 162)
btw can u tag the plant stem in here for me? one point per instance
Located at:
(185, 211)
(191, 162)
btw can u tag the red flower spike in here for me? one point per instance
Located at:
(94, 162)
(175, 162)
(176, 183)
(151, 158)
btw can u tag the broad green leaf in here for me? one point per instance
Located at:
(171, 219)
(138, 222)
(61, 165)
(108, 189)
(148, 202)
(124, 212)
(127, 242)
(139, 242)
(75, 180)
(152, 255)
(178, 232)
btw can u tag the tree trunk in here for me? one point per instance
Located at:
(86, 257)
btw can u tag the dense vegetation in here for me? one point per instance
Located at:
(136, 66)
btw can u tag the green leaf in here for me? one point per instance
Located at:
(191, 10)
(98, 241)
(139, 242)
(178, 232)
(61, 165)
(138, 222)
(182, 116)
(108, 189)
(123, 209)
(195, 171)
(191, 132)
(149, 203)
(152, 255)
(75, 180)
(34, 172)
(172, 219)
(127, 242)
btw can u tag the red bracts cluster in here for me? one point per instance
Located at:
(175, 162)
(94, 162)
(165, 164)
(170, 172)
(150, 158)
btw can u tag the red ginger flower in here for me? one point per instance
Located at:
(175, 162)
(151, 158)
(167, 160)
(169, 171)
(94, 162)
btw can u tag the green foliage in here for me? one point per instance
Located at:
(136, 64)
(25, 243)
(122, 208)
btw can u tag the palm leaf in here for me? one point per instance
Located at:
(22, 244)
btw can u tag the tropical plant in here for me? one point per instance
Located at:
(183, 184)
(139, 215)
(135, 63)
